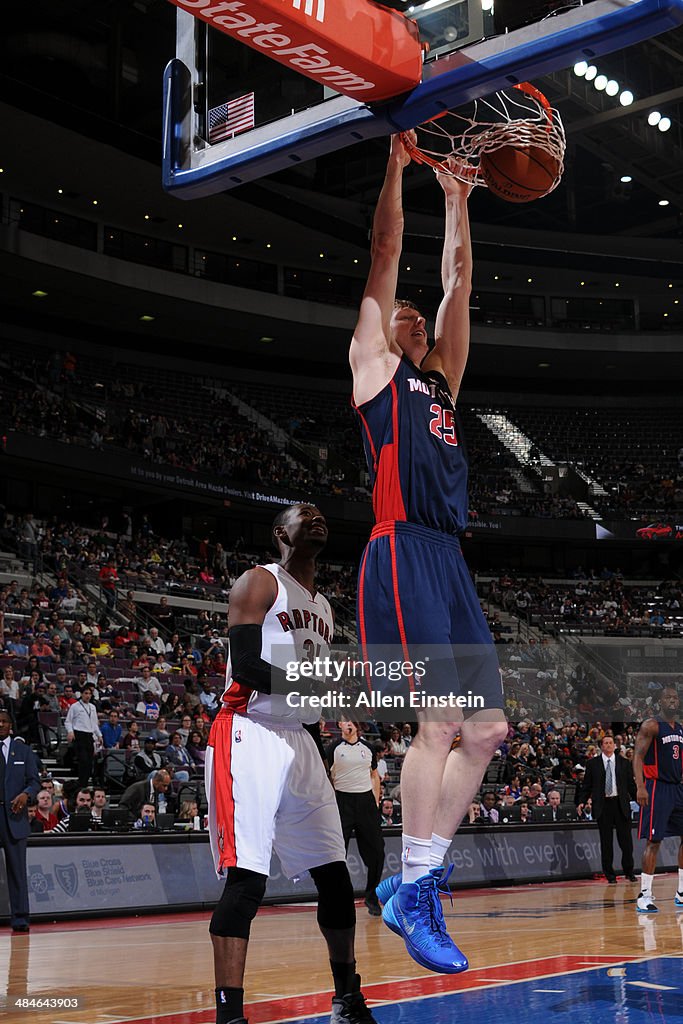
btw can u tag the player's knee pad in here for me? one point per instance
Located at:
(242, 896)
(336, 908)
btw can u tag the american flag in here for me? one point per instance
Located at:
(230, 118)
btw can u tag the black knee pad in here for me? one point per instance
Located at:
(336, 908)
(242, 896)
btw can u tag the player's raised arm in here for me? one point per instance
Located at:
(452, 333)
(648, 731)
(370, 353)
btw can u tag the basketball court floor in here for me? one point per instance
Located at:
(570, 953)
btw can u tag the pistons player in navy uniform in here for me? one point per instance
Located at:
(265, 779)
(414, 588)
(658, 771)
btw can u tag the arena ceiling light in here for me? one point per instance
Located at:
(653, 118)
(600, 82)
(664, 124)
(146, 318)
(625, 179)
(663, 202)
(581, 68)
(591, 72)
(612, 87)
(38, 294)
(626, 98)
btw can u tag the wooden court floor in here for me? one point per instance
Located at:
(160, 968)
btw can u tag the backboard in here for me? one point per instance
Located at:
(297, 118)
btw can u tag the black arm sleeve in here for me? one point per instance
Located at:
(248, 667)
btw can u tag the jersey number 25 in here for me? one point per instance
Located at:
(442, 424)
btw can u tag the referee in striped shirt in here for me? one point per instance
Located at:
(353, 771)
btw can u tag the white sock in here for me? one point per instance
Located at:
(680, 880)
(646, 883)
(415, 857)
(439, 850)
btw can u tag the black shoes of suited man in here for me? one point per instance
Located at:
(20, 929)
(612, 880)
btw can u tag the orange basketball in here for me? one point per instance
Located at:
(519, 174)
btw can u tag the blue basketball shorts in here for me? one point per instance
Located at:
(416, 596)
(663, 815)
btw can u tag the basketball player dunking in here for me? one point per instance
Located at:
(658, 771)
(265, 779)
(414, 587)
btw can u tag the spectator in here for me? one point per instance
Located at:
(148, 707)
(146, 682)
(196, 747)
(112, 731)
(99, 803)
(188, 811)
(208, 698)
(9, 687)
(178, 756)
(41, 649)
(397, 747)
(131, 741)
(160, 734)
(169, 705)
(44, 817)
(165, 615)
(390, 813)
(154, 642)
(185, 728)
(109, 578)
(147, 760)
(161, 666)
(488, 812)
(66, 698)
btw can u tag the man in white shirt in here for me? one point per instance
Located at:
(154, 641)
(83, 730)
(147, 683)
(91, 674)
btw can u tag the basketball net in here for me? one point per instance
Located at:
(453, 144)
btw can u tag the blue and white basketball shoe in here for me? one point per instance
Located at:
(414, 912)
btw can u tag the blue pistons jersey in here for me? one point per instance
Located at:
(414, 449)
(664, 759)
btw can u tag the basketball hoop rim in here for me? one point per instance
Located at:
(465, 171)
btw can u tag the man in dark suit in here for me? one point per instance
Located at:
(19, 780)
(610, 785)
(154, 791)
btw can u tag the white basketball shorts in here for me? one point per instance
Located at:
(267, 788)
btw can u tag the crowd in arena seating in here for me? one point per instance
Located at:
(161, 415)
(538, 770)
(605, 605)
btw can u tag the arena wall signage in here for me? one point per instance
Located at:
(147, 873)
(28, 450)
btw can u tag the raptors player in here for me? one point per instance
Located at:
(658, 771)
(265, 779)
(414, 588)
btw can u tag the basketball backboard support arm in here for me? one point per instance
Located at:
(191, 168)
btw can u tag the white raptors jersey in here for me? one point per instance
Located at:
(297, 628)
